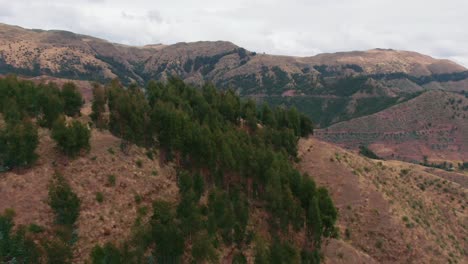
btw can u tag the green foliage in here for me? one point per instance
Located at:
(365, 151)
(314, 221)
(72, 99)
(51, 103)
(111, 179)
(239, 258)
(231, 153)
(15, 246)
(99, 197)
(310, 257)
(139, 163)
(129, 114)
(203, 250)
(166, 233)
(18, 98)
(34, 228)
(98, 106)
(71, 138)
(18, 143)
(328, 212)
(63, 201)
(57, 251)
(283, 252)
(108, 254)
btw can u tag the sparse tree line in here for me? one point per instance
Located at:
(448, 166)
(230, 151)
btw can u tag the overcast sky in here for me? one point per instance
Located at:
(290, 27)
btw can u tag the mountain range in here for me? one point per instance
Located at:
(330, 88)
(402, 106)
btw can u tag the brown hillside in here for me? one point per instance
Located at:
(434, 124)
(65, 54)
(109, 221)
(395, 212)
(372, 197)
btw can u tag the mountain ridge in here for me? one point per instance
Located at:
(318, 85)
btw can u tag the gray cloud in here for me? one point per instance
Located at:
(294, 27)
(154, 16)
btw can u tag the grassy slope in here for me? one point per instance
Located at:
(373, 197)
(434, 124)
(108, 221)
(376, 197)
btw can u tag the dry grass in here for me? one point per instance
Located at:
(110, 220)
(434, 124)
(376, 197)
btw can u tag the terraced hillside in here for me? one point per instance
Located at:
(432, 125)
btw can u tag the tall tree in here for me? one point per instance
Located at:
(51, 104)
(18, 143)
(99, 105)
(71, 138)
(63, 201)
(73, 101)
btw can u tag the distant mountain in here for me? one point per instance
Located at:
(328, 87)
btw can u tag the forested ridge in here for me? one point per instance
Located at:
(232, 158)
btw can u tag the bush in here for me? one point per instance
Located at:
(365, 151)
(99, 106)
(111, 179)
(18, 143)
(139, 163)
(73, 101)
(71, 138)
(34, 228)
(63, 201)
(108, 254)
(15, 246)
(99, 197)
(58, 251)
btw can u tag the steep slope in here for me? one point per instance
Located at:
(109, 221)
(434, 124)
(343, 83)
(393, 211)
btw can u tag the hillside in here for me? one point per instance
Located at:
(328, 87)
(373, 199)
(433, 124)
(171, 174)
(390, 211)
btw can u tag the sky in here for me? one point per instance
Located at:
(293, 27)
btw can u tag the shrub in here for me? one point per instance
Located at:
(107, 254)
(99, 106)
(15, 246)
(365, 151)
(34, 228)
(347, 233)
(138, 199)
(379, 244)
(18, 143)
(111, 151)
(63, 201)
(57, 251)
(72, 99)
(99, 197)
(139, 163)
(71, 138)
(111, 179)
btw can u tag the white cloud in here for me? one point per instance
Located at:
(293, 27)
